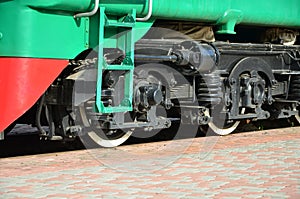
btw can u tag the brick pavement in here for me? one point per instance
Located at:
(262, 164)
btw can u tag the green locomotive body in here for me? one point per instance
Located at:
(47, 29)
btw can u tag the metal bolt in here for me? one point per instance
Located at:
(232, 81)
(274, 82)
(173, 82)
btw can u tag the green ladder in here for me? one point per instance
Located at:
(127, 42)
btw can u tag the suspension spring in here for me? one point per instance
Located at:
(210, 89)
(294, 92)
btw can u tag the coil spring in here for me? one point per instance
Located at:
(210, 89)
(294, 91)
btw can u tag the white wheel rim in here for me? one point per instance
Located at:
(106, 143)
(297, 118)
(109, 143)
(224, 131)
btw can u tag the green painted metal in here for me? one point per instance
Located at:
(34, 32)
(61, 5)
(112, 32)
(47, 29)
(226, 13)
(228, 21)
(125, 42)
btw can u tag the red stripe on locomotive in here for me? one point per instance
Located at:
(22, 82)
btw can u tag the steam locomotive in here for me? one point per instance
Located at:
(103, 69)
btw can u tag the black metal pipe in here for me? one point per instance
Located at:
(170, 58)
(38, 116)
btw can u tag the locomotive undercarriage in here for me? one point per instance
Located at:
(214, 86)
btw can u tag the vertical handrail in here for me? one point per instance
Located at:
(91, 13)
(149, 14)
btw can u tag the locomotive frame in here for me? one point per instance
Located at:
(105, 73)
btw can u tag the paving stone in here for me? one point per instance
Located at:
(250, 165)
(231, 198)
(254, 196)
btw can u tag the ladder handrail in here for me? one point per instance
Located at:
(149, 14)
(91, 13)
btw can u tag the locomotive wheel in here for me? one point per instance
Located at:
(95, 136)
(297, 117)
(221, 126)
(225, 129)
(294, 93)
(94, 132)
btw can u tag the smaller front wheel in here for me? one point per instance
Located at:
(94, 135)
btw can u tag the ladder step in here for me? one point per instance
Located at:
(117, 109)
(119, 24)
(125, 41)
(119, 67)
